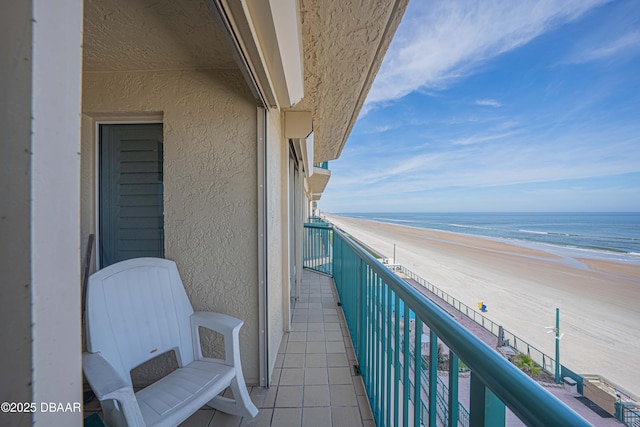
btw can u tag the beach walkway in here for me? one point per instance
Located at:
(567, 397)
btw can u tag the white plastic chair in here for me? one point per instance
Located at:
(138, 309)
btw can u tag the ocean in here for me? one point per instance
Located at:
(612, 236)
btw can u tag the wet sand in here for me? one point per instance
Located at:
(599, 300)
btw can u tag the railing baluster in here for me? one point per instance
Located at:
(396, 354)
(417, 353)
(405, 370)
(453, 389)
(433, 378)
(389, 363)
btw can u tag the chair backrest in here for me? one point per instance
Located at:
(136, 310)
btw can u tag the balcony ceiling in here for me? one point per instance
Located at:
(343, 46)
(138, 35)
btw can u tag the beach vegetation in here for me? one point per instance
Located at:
(525, 363)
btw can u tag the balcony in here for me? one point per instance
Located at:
(314, 382)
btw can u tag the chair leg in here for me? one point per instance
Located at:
(240, 405)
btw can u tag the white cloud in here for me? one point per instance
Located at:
(627, 44)
(478, 139)
(441, 41)
(477, 166)
(488, 103)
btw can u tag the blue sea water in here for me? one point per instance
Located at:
(608, 235)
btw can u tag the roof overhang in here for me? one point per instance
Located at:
(270, 40)
(344, 43)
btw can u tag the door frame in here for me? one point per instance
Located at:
(152, 119)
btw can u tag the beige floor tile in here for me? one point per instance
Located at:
(297, 336)
(332, 327)
(296, 347)
(221, 419)
(340, 376)
(279, 360)
(292, 376)
(275, 376)
(258, 395)
(343, 395)
(283, 343)
(315, 326)
(337, 360)
(299, 327)
(201, 418)
(333, 336)
(331, 318)
(345, 417)
(358, 385)
(316, 417)
(315, 336)
(316, 347)
(335, 347)
(270, 398)
(293, 360)
(365, 409)
(314, 376)
(263, 419)
(316, 395)
(289, 396)
(286, 417)
(316, 360)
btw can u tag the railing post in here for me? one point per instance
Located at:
(433, 378)
(417, 354)
(396, 354)
(389, 363)
(453, 389)
(405, 370)
(485, 407)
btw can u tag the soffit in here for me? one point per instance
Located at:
(344, 43)
(135, 35)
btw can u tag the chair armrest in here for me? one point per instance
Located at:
(107, 384)
(222, 323)
(228, 326)
(103, 378)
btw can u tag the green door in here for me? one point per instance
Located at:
(131, 220)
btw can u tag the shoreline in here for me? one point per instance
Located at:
(592, 259)
(522, 286)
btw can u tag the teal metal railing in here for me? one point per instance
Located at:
(386, 317)
(322, 165)
(317, 250)
(317, 219)
(629, 415)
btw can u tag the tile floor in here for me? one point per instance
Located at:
(313, 382)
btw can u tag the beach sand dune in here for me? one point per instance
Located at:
(599, 300)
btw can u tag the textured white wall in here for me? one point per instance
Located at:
(55, 220)
(277, 232)
(210, 183)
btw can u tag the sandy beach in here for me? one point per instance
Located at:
(599, 300)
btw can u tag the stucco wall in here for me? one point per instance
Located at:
(15, 194)
(210, 183)
(277, 232)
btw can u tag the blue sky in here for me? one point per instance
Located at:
(500, 106)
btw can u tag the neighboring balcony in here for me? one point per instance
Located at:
(318, 180)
